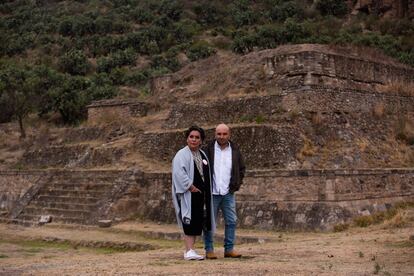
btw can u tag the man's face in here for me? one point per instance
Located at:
(222, 135)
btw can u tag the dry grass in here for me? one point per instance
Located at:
(400, 219)
(317, 119)
(341, 227)
(109, 117)
(401, 215)
(362, 143)
(405, 130)
(308, 149)
(378, 110)
(398, 88)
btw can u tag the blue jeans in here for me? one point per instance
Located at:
(227, 205)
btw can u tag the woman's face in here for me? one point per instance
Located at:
(194, 140)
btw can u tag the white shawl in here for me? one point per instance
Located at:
(182, 179)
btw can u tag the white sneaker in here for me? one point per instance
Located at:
(192, 255)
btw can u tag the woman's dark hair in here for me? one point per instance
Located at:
(197, 128)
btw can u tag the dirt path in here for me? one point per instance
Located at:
(358, 251)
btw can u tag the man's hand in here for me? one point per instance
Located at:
(194, 189)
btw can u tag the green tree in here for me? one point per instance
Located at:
(69, 99)
(17, 86)
(200, 50)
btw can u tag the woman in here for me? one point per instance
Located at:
(191, 191)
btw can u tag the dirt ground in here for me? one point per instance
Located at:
(72, 251)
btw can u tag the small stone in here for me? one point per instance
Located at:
(104, 223)
(3, 213)
(248, 221)
(364, 212)
(45, 219)
(412, 238)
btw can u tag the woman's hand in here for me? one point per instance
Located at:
(194, 189)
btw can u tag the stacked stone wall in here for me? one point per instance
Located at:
(112, 110)
(268, 108)
(14, 185)
(282, 199)
(71, 156)
(263, 146)
(316, 68)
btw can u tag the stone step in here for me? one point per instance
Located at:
(60, 205)
(56, 212)
(23, 222)
(34, 219)
(68, 199)
(78, 186)
(82, 178)
(78, 193)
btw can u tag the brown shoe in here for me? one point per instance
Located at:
(232, 254)
(211, 255)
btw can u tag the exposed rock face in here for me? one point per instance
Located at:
(385, 8)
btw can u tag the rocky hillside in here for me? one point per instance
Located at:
(56, 57)
(300, 106)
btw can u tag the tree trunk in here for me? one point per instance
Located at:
(22, 131)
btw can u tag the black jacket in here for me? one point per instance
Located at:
(237, 169)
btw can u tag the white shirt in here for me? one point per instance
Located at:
(222, 169)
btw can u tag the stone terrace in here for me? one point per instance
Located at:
(317, 131)
(285, 199)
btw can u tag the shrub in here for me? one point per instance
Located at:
(281, 10)
(208, 13)
(242, 13)
(170, 62)
(332, 7)
(74, 62)
(184, 31)
(142, 15)
(66, 27)
(82, 25)
(244, 43)
(171, 8)
(363, 221)
(118, 76)
(101, 88)
(293, 31)
(260, 119)
(163, 21)
(341, 227)
(200, 50)
(136, 77)
(103, 25)
(120, 26)
(393, 217)
(117, 59)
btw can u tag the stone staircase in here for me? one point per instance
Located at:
(68, 198)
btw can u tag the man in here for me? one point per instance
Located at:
(228, 170)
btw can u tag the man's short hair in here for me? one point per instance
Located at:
(196, 128)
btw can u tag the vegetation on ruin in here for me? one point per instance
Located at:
(397, 216)
(58, 56)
